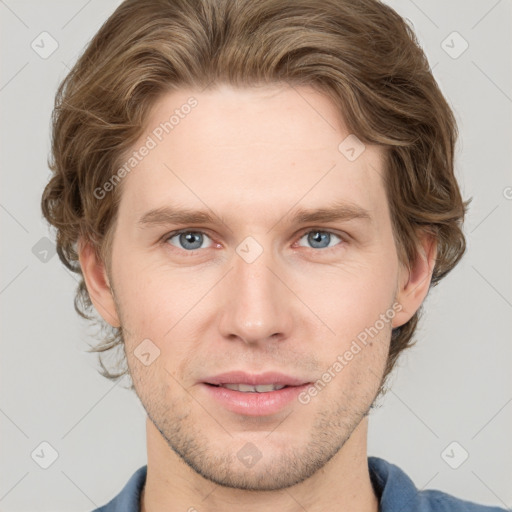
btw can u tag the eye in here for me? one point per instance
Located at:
(188, 240)
(320, 239)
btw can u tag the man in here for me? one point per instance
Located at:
(258, 196)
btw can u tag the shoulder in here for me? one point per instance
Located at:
(396, 491)
(128, 500)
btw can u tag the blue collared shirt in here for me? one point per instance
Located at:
(395, 490)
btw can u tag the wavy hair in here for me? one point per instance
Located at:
(361, 54)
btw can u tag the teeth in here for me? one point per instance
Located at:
(246, 388)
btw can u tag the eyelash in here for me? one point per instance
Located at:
(194, 252)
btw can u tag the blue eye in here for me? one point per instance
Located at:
(193, 240)
(320, 239)
(188, 240)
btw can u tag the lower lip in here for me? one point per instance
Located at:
(252, 403)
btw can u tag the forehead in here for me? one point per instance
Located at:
(251, 149)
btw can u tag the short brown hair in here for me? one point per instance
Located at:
(361, 54)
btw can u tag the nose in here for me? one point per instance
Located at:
(258, 307)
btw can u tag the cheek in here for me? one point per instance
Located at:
(350, 298)
(168, 306)
(356, 362)
(149, 301)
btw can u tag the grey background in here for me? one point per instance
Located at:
(455, 385)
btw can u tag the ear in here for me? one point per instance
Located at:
(414, 282)
(98, 285)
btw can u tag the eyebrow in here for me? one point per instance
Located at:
(335, 212)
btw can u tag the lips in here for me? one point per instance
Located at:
(252, 394)
(252, 403)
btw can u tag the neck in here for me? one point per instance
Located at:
(342, 484)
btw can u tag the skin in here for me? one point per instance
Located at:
(253, 156)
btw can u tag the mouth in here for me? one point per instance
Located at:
(254, 395)
(247, 388)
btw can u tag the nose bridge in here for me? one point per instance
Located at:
(257, 306)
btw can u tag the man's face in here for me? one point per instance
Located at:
(254, 290)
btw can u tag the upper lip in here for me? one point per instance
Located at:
(253, 379)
